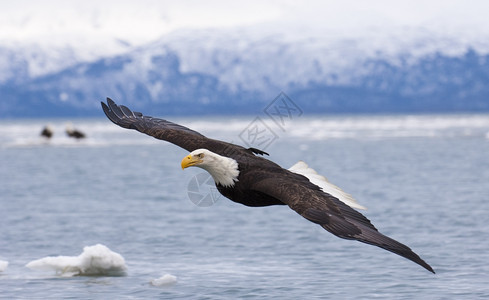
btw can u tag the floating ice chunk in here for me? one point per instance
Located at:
(95, 260)
(166, 279)
(3, 265)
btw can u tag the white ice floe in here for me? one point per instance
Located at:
(97, 260)
(3, 265)
(164, 280)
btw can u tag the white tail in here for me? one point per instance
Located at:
(303, 169)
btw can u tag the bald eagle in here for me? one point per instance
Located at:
(74, 133)
(47, 132)
(244, 176)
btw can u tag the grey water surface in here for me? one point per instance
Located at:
(424, 180)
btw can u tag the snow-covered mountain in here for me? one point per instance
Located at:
(241, 70)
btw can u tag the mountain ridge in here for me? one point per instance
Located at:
(209, 72)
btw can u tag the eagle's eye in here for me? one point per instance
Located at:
(200, 155)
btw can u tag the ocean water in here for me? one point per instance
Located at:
(424, 180)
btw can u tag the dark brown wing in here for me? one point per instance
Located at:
(157, 128)
(179, 135)
(333, 215)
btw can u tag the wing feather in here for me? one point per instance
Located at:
(330, 213)
(157, 128)
(177, 134)
(127, 112)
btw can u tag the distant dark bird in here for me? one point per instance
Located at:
(74, 133)
(47, 132)
(244, 177)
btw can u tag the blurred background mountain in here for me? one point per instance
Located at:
(60, 58)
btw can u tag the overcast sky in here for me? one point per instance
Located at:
(144, 20)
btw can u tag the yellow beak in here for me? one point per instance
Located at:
(189, 161)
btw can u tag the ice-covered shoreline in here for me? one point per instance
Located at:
(101, 133)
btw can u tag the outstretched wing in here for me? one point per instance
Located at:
(333, 215)
(179, 135)
(157, 128)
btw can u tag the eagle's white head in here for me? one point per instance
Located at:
(224, 170)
